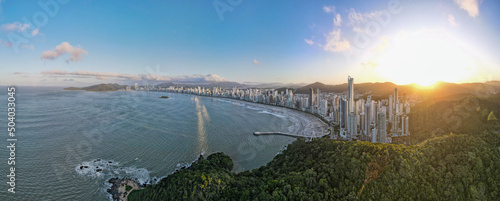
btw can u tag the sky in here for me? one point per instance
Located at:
(78, 43)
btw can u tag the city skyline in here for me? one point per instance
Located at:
(70, 43)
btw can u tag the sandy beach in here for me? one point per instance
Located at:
(306, 125)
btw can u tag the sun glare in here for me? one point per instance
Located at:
(424, 58)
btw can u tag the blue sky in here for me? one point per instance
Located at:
(89, 42)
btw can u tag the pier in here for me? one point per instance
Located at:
(256, 133)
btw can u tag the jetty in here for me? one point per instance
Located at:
(257, 133)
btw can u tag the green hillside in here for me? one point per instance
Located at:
(451, 167)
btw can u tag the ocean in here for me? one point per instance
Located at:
(71, 142)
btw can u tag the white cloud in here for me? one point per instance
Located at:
(6, 43)
(369, 64)
(357, 20)
(471, 6)
(150, 77)
(309, 41)
(75, 52)
(16, 26)
(329, 9)
(452, 21)
(35, 32)
(337, 20)
(256, 62)
(335, 43)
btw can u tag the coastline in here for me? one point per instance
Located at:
(121, 188)
(307, 124)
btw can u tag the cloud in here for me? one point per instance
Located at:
(451, 20)
(357, 20)
(150, 77)
(6, 43)
(309, 41)
(20, 73)
(256, 62)
(75, 52)
(35, 32)
(471, 6)
(334, 42)
(16, 26)
(337, 20)
(329, 9)
(369, 64)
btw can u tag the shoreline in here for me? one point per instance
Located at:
(119, 191)
(308, 125)
(304, 125)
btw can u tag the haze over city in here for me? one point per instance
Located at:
(79, 43)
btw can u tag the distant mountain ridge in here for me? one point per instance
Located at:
(99, 87)
(439, 90)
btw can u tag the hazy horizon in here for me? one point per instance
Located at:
(83, 43)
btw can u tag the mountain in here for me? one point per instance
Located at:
(438, 91)
(100, 87)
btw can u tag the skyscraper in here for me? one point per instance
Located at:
(368, 118)
(311, 98)
(353, 125)
(343, 113)
(390, 108)
(350, 94)
(381, 127)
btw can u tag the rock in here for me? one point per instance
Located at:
(81, 167)
(85, 166)
(98, 170)
(112, 180)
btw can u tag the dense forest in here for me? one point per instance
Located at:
(444, 166)
(467, 115)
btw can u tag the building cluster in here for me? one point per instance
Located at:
(384, 121)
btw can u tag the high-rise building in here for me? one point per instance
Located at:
(343, 113)
(390, 113)
(311, 98)
(381, 127)
(368, 117)
(318, 97)
(350, 93)
(353, 125)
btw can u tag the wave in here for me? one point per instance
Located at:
(271, 113)
(253, 108)
(99, 168)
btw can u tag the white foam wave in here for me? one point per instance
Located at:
(253, 108)
(271, 113)
(99, 168)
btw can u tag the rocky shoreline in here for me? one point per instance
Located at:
(121, 188)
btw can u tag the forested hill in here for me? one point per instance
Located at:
(450, 167)
(470, 115)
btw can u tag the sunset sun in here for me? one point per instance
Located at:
(426, 57)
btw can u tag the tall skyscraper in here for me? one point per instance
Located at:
(311, 98)
(368, 118)
(350, 93)
(318, 98)
(343, 113)
(390, 113)
(353, 125)
(381, 127)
